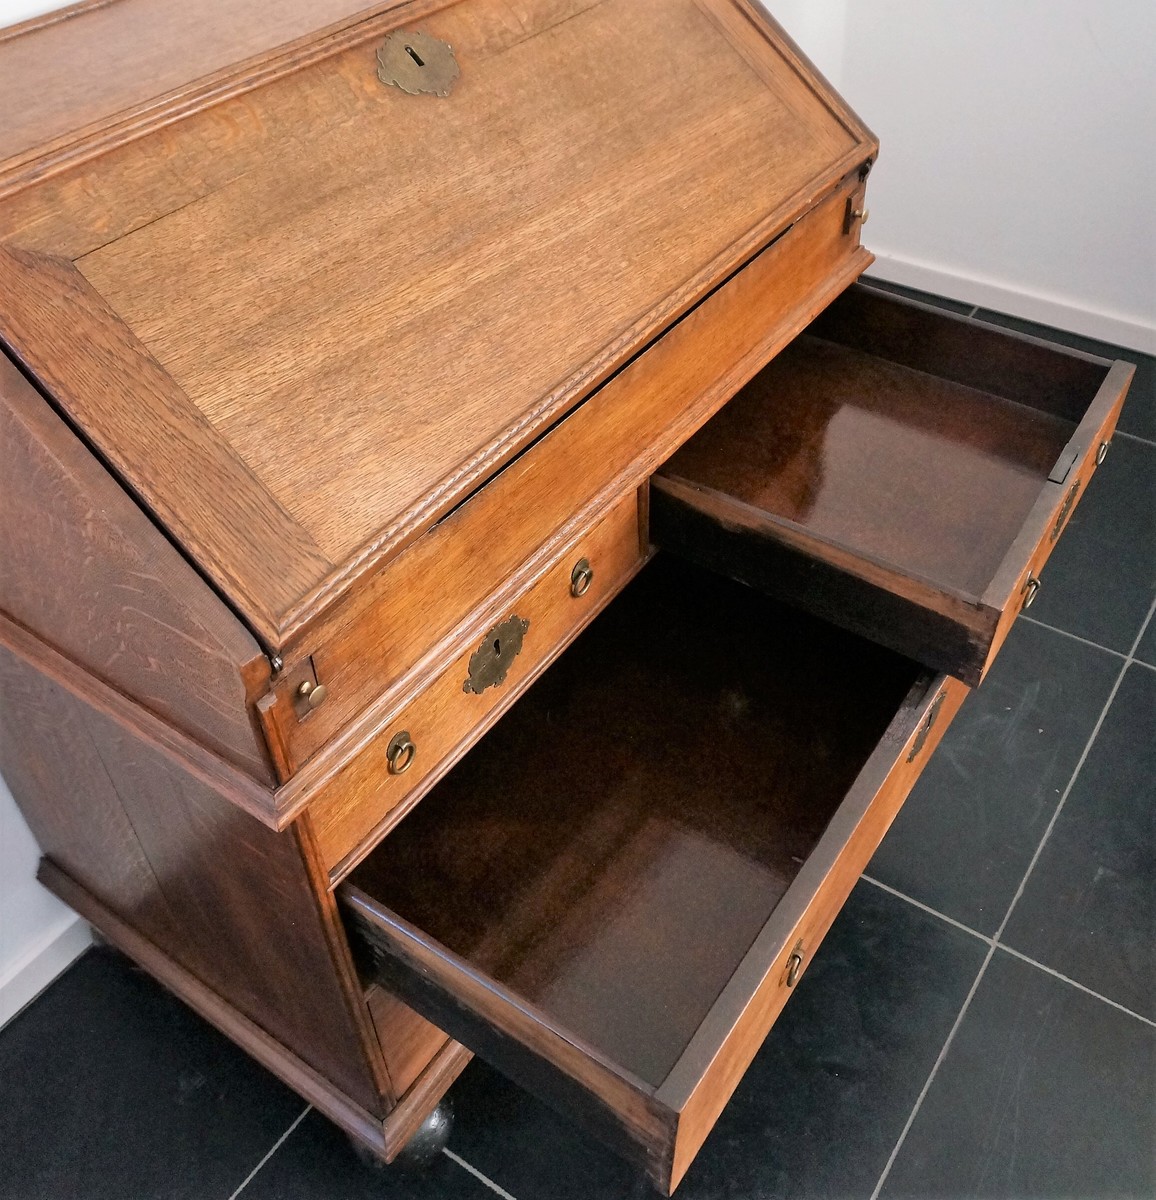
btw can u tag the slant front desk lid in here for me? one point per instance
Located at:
(304, 321)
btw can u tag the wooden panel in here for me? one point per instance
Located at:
(367, 649)
(55, 76)
(226, 898)
(651, 822)
(409, 1043)
(89, 573)
(157, 441)
(260, 348)
(920, 497)
(444, 720)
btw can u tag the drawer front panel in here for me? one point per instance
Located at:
(367, 650)
(440, 723)
(897, 469)
(605, 898)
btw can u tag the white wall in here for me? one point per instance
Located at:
(1018, 149)
(1016, 172)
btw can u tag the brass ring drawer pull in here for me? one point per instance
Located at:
(795, 965)
(1031, 589)
(400, 753)
(581, 578)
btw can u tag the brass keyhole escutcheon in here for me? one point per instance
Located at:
(581, 578)
(795, 965)
(417, 63)
(400, 753)
(490, 662)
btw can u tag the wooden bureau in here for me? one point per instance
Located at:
(365, 368)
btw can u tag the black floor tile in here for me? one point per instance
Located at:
(316, 1162)
(967, 833)
(1139, 415)
(1089, 907)
(821, 1106)
(1146, 650)
(1101, 578)
(1046, 1092)
(955, 306)
(112, 1088)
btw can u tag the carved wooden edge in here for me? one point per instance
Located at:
(124, 405)
(709, 1070)
(101, 136)
(209, 768)
(269, 1052)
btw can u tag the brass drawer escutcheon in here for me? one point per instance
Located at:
(491, 660)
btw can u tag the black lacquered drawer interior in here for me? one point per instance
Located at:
(628, 851)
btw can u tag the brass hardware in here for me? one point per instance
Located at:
(418, 63)
(1030, 590)
(925, 728)
(491, 660)
(276, 662)
(400, 753)
(1065, 508)
(313, 694)
(581, 578)
(795, 964)
(1101, 454)
(862, 215)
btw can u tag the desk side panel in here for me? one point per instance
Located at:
(226, 898)
(87, 571)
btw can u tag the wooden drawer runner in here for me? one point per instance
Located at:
(899, 470)
(612, 896)
(371, 644)
(428, 733)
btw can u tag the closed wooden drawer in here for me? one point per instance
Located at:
(612, 896)
(897, 469)
(516, 637)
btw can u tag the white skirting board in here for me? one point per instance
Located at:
(26, 979)
(1108, 327)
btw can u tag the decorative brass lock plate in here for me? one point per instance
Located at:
(491, 660)
(418, 63)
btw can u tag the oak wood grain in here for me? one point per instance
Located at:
(368, 647)
(88, 572)
(356, 807)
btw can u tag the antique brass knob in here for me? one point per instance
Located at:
(861, 215)
(1101, 453)
(581, 577)
(1030, 589)
(400, 753)
(313, 694)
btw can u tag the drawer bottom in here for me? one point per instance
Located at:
(612, 895)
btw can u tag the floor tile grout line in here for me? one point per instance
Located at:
(884, 887)
(1134, 437)
(991, 941)
(1074, 636)
(932, 1073)
(271, 1151)
(484, 1179)
(1075, 983)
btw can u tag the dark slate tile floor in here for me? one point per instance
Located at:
(980, 1022)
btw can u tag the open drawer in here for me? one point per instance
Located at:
(612, 895)
(899, 470)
